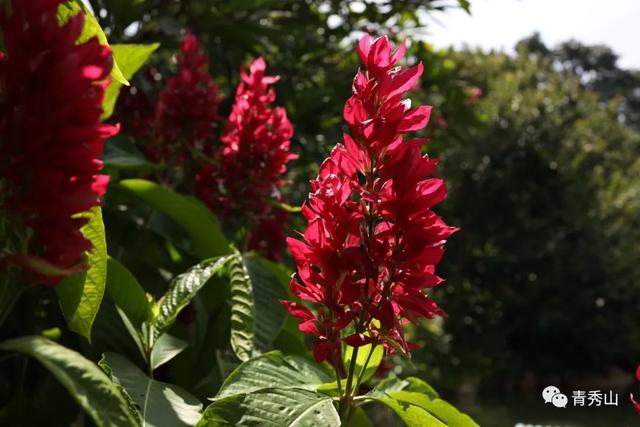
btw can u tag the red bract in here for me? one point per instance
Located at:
(635, 404)
(372, 240)
(251, 163)
(51, 92)
(187, 108)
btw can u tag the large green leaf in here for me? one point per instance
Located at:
(272, 370)
(80, 295)
(411, 415)
(129, 57)
(159, 404)
(272, 407)
(441, 409)
(366, 355)
(182, 289)
(127, 293)
(256, 314)
(90, 29)
(189, 213)
(88, 385)
(242, 311)
(392, 383)
(267, 292)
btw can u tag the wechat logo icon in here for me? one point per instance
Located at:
(552, 395)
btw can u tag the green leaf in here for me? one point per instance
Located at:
(102, 400)
(441, 409)
(465, 5)
(411, 416)
(363, 357)
(182, 289)
(272, 370)
(121, 153)
(256, 314)
(80, 295)
(267, 292)
(127, 293)
(90, 29)
(421, 386)
(129, 57)
(393, 383)
(272, 407)
(166, 348)
(242, 313)
(159, 404)
(359, 419)
(189, 213)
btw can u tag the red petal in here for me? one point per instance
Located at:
(309, 327)
(358, 340)
(363, 48)
(635, 404)
(415, 119)
(298, 310)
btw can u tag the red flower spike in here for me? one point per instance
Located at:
(186, 110)
(372, 241)
(50, 134)
(252, 162)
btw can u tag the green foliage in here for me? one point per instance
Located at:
(129, 57)
(187, 212)
(442, 410)
(272, 369)
(242, 309)
(159, 404)
(127, 293)
(272, 406)
(182, 290)
(164, 349)
(367, 360)
(256, 314)
(80, 295)
(84, 381)
(411, 415)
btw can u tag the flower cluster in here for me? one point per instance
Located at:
(249, 166)
(372, 240)
(186, 110)
(51, 92)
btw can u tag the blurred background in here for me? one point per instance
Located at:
(536, 122)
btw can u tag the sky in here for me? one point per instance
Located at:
(499, 24)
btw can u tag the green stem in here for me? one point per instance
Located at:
(364, 367)
(347, 398)
(335, 367)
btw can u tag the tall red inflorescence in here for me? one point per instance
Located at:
(372, 241)
(186, 110)
(51, 92)
(250, 165)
